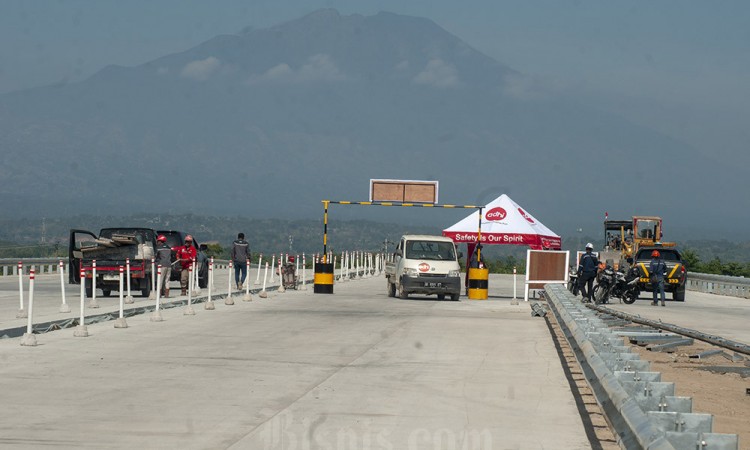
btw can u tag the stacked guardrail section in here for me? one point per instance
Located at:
(642, 409)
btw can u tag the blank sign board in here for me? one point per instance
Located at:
(404, 191)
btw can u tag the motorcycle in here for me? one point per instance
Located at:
(626, 285)
(573, 281)
(605, 284)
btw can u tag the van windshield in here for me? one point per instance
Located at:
(432, 250)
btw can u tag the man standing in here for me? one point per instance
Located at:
(185, 255)
(164, 259)
(656, 268)
(587, 272)
(240, 255)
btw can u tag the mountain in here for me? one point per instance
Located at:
(269, 122)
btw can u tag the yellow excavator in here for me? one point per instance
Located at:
(623, 238)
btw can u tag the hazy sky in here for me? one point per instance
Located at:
(680, 66)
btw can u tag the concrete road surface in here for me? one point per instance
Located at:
(352, 370)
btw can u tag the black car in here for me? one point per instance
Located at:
(177, 239)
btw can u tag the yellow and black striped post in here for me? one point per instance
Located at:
(478, 283)
(324, 269)
(478, 277)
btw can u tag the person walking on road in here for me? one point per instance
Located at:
(587, 268)
(164, 259)
(240, 255)
(185, 256)
(656, 268)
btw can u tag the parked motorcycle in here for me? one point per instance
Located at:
(606, 281)
(626, 285)
(573, 281)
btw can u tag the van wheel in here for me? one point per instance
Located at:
(454, 297)
(402, 292)
(106, 292)
(441, 296)
(391, 289)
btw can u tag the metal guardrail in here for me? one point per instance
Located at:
(9, 266)
(642, 409)
(719, 284)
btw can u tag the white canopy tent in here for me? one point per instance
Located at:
(504, 222)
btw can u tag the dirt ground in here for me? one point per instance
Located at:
(723, 395)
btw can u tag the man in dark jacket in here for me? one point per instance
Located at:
(240, 255)
(656, 269)
(587, 267)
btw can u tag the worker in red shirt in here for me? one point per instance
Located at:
(185, 256)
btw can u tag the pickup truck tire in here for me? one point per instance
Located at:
(441, 296)
(391, 289)
(106, 292)
(146, 287)
(89, 291)
(678, 296)
(454, 297)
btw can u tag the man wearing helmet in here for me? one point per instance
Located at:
(656, 268)
(185, 256)
(164, 259)
(587, 267)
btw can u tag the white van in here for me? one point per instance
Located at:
(424, 265)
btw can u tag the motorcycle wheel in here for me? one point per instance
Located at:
(630, 297)
(600, 295)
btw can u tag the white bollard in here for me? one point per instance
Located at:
(29, 340)
(257, 276)
(247, 297)
(129, 298)
(263, 293)
(209, 305)
(152, 295)
(93, 303)
(120, 322)
(296, 266)
(273, 265)
(515, 299)
(22, 314)
(189, 311)
(196, 281)
(156, 315)
(64, 307)
(304, 273)
(81, 330)
(229, 300)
